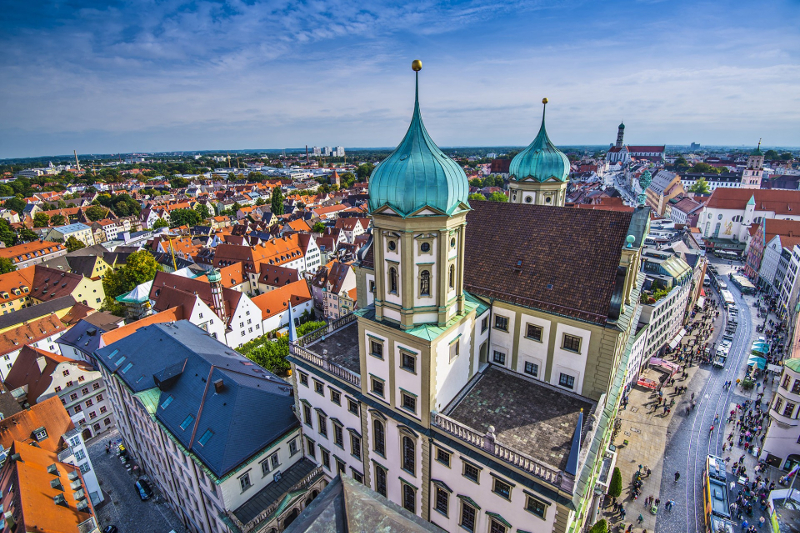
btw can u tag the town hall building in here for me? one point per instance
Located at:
(478, 381)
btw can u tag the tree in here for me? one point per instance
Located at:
(347, 179)
(786, 156)
(261, 201)
(41, 220)
(15, 204)
(140, 266)
(7, 235)
(498, 197)
(96, 212)
(178, 183)
(770, 154)
(476, 197)
(277, 201)
(364, 170)
(615, 487)
(600, 527)
(181, 217)
(160, 223)
(700, 186)
(28, 235)
(6, 265)
(681, 163)
(705, 168)
(203, 211)
(475, 182)
(58, 220)
(73, 244)
(319, 227)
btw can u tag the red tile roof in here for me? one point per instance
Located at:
(29, 250)
(29, 333)
(169, 315)
(49, 414)
(273, 302)
(780, 202)
(26, 371)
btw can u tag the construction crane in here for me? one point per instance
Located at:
(172, 250)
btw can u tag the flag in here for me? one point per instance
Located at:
(794, 470)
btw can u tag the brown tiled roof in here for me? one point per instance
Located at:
(30, 332)
(559, 260)
(52, 283)
(277, 276)
(27, 489)
(13, 285)
(26, 371)
(29, 250)
(774, 226)
(781, 202)
(273, 302)
(49, 414)
(164, 299)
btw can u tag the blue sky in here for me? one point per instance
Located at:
(123, 76)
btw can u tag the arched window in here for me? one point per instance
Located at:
(452, 276)
(409, 503)
(409, 455)
(379, 436)
(425, 283)
(393, 280)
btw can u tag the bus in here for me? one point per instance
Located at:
(727, 298)
(725, 254)
(716, 512)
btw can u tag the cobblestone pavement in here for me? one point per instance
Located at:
(122, 506)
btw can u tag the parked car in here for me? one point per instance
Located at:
(143, 487)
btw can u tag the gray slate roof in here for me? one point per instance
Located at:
(36, 311)
(253, 408)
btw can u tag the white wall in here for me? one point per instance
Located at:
(567, 362)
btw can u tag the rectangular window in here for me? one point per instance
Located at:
(454, 349)
(310, 448)
(377, 387)
(499, 358)
(323, 425)
(534, 332)
(380, 480)
(408, 362)
(357, 475)
(443, 457)
(796, 386)
(409, 498)
(484, 324)
(471, 472)
(273, 461)
(187, 422)
(319, 388)
(442, 500)
(352, 406)
(532, 369)
(326, 458)
(566, 381)
(338, 435)
(497, 527)
(536, 507)
(502, 488)
(501, 322)
(789, 409)
(409, 402)
(292, 447)
(336, 397)
(303, 379)
(467, 517)
(571, 343)
(355, 445)
(341, 468)
(786, 381)
(244, 482)
(376, 349)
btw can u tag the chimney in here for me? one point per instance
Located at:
(42, 362)
(219, 386)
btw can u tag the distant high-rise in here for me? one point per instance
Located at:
(339, 151)
(694, 146)
(316, 151)
(326, 151)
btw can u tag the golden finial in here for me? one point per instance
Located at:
(416, 65)
(544, 100)
(759, 143)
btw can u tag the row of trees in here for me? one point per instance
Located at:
(494, 197)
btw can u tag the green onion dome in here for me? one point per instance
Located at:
(541, 160)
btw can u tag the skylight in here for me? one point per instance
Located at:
(121, 360)
(166, 402)
(187, 422)
(127, 367)
(206, 437)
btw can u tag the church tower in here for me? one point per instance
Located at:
(751, 177)
(538, 174)
(620, 134)
(418, 201)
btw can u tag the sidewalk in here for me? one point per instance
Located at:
(645, 428)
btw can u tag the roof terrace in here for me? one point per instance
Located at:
(334, 348)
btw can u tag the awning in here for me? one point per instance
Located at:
(674, 342)
(701, 301)
(775, 368)
(754, 360)
(702, 291)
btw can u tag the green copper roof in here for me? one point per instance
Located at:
(621, 126)
(792, 364)
(757, 151)
(645, 179)
(541, 160)
(751, 201)
(418, 175)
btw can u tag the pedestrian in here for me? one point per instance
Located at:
(622, 513)
(677, 476)
(648, 471)
(745, 523)
(640, 519)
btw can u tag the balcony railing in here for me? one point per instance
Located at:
(329, 366)
(300, 349)
(488, 443)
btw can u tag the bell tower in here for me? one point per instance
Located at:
(620, 134)
(418, 201)
(751, 176)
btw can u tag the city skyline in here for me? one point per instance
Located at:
(140, 77)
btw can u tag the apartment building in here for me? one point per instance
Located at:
(216, 432)
(32, 253)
